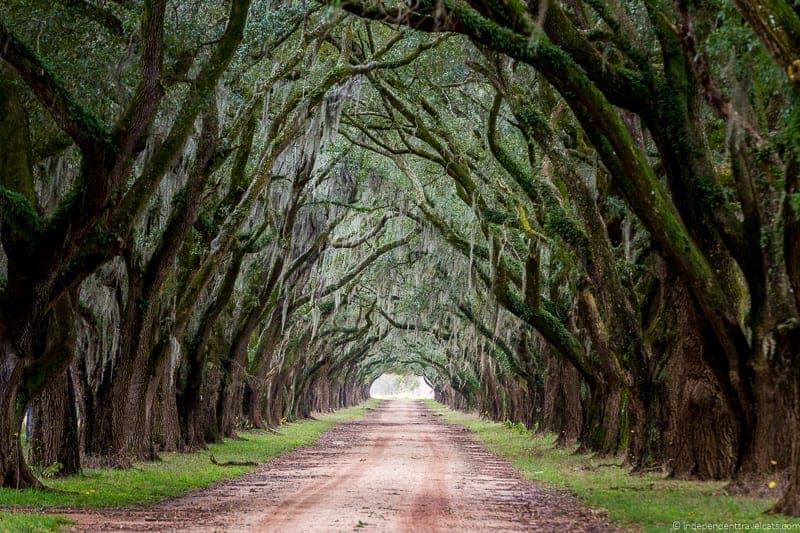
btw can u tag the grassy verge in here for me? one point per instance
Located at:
(19, 522)
(174, 474)
(648, 501)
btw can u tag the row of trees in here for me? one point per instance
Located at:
(179, 225)
(579, 215)
(623, 182)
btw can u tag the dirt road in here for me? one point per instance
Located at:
(398, 469)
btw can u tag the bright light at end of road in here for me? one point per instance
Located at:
(397, 386)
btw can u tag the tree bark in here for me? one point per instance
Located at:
(54, 439)
(14, 471)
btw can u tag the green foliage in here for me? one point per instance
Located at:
(50, 471)
(19, 215)
(516, 427)
(794, 201)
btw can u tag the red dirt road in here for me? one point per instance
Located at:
(398, 469)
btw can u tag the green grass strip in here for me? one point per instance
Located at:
(173, 475)
(648, 501)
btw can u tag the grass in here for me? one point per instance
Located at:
(174, 474)
(648, 501)
(19, 522)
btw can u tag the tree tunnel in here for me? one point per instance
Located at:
(564, 214)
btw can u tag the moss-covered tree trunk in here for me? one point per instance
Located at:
(685, 386)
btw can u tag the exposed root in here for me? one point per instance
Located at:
(788, 505)
(758, 485)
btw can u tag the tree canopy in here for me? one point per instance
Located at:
(580, 215)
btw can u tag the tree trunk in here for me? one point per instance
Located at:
(54, 438)
(208, 411)
(230, 404)
(14, 471)
(789, 503)
(117, 401)
(85, 403)
(52, 349)
(563, 411)
(769, 441)
(788, 352)
(604, 424)
(684, 387)
(229, 407)
(166, 422)
(191, 409)
(254, 405)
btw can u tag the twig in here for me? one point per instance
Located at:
(232, 463)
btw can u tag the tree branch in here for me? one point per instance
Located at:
(91, 136)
